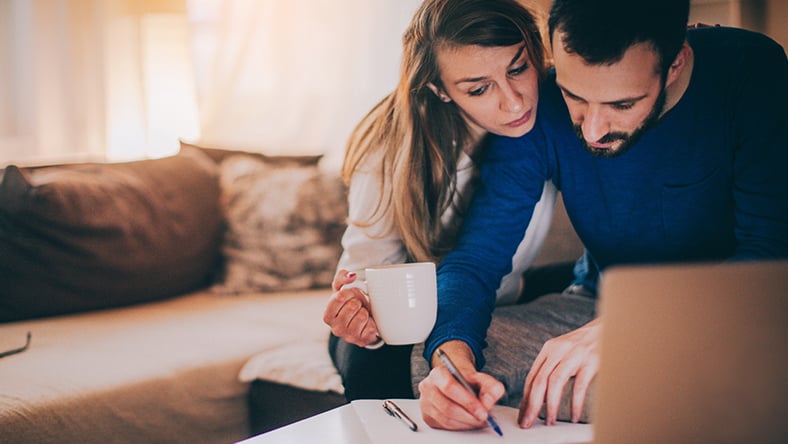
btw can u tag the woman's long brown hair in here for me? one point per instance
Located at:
(420, 138)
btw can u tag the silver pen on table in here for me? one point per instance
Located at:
(394, 410)
(458, 376)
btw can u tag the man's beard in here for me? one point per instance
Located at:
(627, 140)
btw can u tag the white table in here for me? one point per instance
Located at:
(362, 421)
(338, 426)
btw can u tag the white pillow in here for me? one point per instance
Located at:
(305, 364)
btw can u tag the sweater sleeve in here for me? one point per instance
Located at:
(761, 154)
(513, 175)
(369, 238)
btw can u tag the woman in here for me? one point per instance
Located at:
(469, 68)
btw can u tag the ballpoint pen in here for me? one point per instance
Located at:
(394, 410)
(458, 376)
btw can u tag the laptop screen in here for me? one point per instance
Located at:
(693, 353)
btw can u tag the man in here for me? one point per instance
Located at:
(668, 146)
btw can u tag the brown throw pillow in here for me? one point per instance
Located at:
(219, 154)
(284, 225)
(92, 236)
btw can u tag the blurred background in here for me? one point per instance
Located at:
(114, 80)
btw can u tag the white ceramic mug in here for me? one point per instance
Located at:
(404, 300)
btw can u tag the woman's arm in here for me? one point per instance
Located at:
(348, 312)
(374, 244)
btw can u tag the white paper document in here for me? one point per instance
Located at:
(383, 428)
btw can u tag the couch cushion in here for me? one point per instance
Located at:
(94, 236)
(162, 372)
(284, 225)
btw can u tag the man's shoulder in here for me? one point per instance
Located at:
(730, 43)
(549, 92)
(723, 35)
(552, 113)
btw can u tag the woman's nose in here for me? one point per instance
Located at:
(512, 100)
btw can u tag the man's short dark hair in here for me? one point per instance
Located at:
(600, 31)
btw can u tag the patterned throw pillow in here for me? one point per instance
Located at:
(284, 225)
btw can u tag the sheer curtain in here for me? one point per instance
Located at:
(94, 80)
(113, 80)
(293, 76)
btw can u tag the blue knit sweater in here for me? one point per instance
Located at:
(708, 182)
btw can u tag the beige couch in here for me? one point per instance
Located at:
(145, 294)
(156, 292)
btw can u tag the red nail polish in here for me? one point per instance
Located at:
(351, 275)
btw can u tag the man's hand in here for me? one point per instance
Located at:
(573, 354)
(446, 404)
(348, 312)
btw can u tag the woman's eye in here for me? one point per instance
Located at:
(478, 91)
(519, 70)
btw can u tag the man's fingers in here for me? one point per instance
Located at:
(490, 390)
(450, 416)
(555, 391)
(522, 409)
(535, 368)
(582, 383)
(529, 382)
(535, 389)
(445, 403)
(578, 398)
(534, 404)
(460, 396)
(572, 354)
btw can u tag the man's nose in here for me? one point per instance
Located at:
(595, 123)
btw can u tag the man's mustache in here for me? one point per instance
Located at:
(607, 138)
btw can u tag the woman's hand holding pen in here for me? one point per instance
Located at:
(446, 404)
(348, 312)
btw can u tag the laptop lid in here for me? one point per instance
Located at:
(693, 353)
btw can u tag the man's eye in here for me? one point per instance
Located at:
(623, 106)
(572, 97)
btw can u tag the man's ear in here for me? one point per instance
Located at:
(679, 63)
(439, 92)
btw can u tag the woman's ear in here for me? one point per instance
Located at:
(439, 92)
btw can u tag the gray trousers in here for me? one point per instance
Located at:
(516, 335)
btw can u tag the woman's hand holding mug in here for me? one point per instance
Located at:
(348, 312)
(396, 303)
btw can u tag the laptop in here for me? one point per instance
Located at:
(693, 354)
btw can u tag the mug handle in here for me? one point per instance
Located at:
(361, 284)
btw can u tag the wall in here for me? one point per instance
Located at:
(765, 16)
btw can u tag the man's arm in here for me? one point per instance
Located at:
(447, 404)
(512, 179)
(574, 354)
(761, 131)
